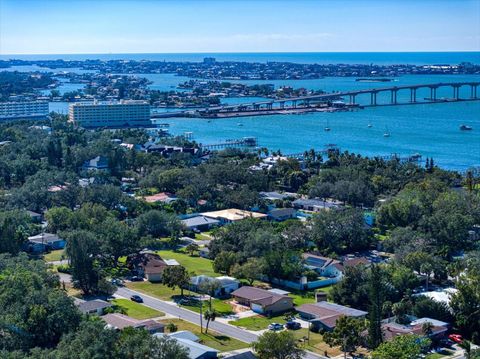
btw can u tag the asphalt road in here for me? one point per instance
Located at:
(192, 317)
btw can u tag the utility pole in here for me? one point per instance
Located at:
(201, 316)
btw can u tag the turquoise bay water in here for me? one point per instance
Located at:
(431, 130)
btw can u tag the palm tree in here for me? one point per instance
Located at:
(427, 329)
(209, 315)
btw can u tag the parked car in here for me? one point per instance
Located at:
(136, 298)
(136, 278)
(117, 282)
(293, 325)
(275, 326)
(457, 338)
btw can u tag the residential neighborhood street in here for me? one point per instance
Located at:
(193, 317)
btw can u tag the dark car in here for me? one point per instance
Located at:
(293, 325)
(136, 298)
(136, 278)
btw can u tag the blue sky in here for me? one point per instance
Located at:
(148, 26)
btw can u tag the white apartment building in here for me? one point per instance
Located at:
(111, 114)
(15, 110)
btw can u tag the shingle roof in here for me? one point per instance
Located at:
(199, 221)
(328, 313)
(257, 295)
(89, 305)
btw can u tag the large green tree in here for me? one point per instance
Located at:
(282, 345)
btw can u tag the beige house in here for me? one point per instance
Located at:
(263, 301)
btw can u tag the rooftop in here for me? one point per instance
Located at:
(233, 214)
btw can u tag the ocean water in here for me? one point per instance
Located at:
(300, 57)
(430, 130)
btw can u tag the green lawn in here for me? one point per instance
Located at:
(202, 237)
(300, 298)
(258, 322)
(54, 255)
(221, 307)
(163, 292)
(195, 264)
(443, 354)
(136, 310)
(315, 344)
(212, 339)
(155, 289)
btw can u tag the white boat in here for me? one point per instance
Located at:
(386, 133)
(369, 125)
(326, 128)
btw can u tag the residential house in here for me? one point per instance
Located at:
(195, 349)
(282, 214)
(95, 307)
(36, 217)
(324, 266)
(200, 223)
(226, 285)
(240, 354)
(276, 196)
(324, 315)
(44, 242)
(442, 295)
(314, 205)
(263, 301)
(147, 264)
(99, 163)
(233, 215)
(332, 268)
(120, 321)
(391, 330)
(163, 197)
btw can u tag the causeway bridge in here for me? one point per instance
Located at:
(307, 101)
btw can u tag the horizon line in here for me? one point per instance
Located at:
(242, 52)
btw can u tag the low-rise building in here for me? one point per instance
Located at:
(163, 197)
(233, 215)
(282, 214)
(324, 315)
(392, 330)
(200, 223)
(263, 301)
(99, 163)
(120, 321)
(195, 349)
(226, 285)
(314, 205)
(45, 241)
(149, 265)
(95, 307)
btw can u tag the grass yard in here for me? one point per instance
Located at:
(316, 344)
(202, 237)
(300, 298)
(443, 354)
(212, 339)
(155, 289)
(221, 307)
(54, 255)
(136, 310)
(258, 322)
(196, 264)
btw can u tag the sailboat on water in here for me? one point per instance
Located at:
(327, 127)
(386, 133)
(369, 125)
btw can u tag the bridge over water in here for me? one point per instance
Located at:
(352, 97)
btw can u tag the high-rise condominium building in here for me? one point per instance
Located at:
(30, 110)
(111, 114)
